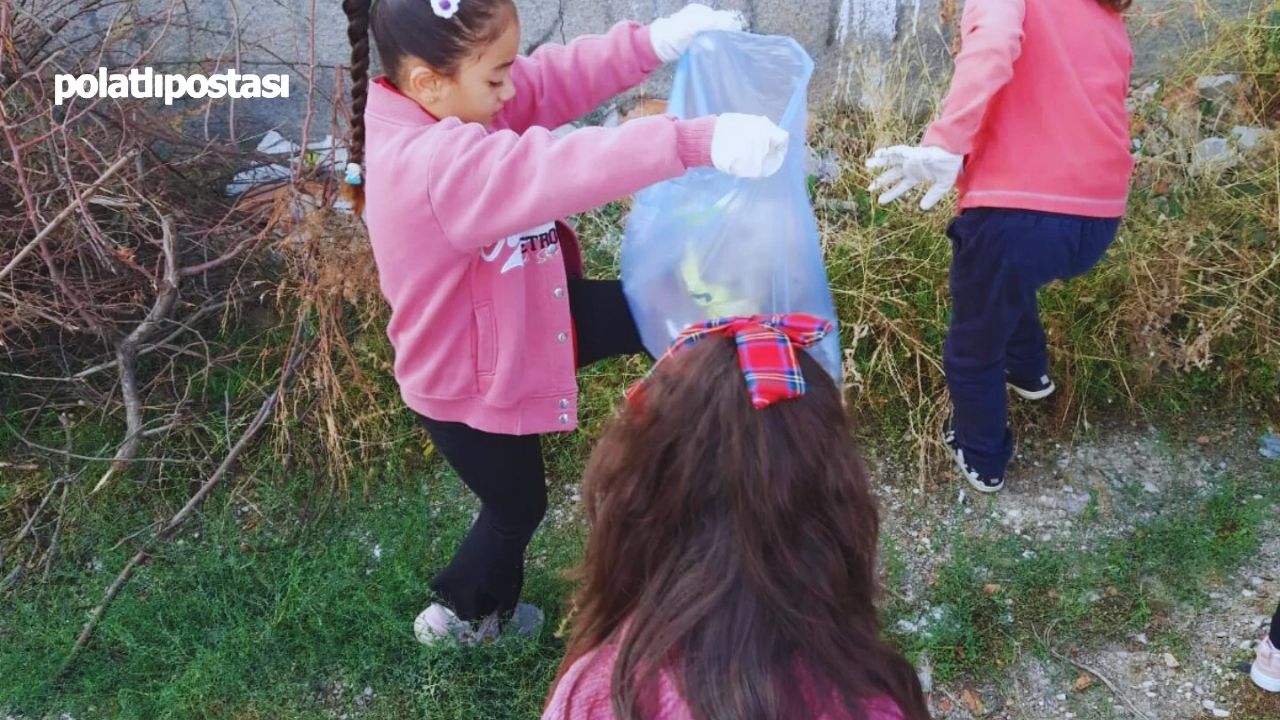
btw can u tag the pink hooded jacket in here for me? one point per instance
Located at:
(1037, 104)
(464, 222)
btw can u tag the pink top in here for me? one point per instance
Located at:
(583, 693)
(1037, 104)
(463, 220)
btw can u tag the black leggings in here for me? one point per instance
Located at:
(507, 474)
(1275, 628)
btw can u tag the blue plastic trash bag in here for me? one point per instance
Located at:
(709, 245)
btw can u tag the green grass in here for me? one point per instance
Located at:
(275, 598)
(273, 602)
(1000, 595)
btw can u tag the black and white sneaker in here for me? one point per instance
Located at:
(976, 480)
(1037, 390)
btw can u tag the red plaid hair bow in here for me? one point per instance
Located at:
(766, 352)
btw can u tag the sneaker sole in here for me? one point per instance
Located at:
(982, 488)
(1033, 394)
(1266, 682)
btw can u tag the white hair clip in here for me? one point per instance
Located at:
(445, 8)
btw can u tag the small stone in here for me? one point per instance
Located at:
(925, 673)
(1213, 154)
(1203, 440)
(1147, 92)
(1219, 712)
(1217, 87)
(1246, 645)
(1255, 581)
(1062, 696)
(824, 166)
(1170, 660)
(972, 702)
(1248, 593)
(1151, 488)
(1083, 682)
(1250, 138)
(1208, 704)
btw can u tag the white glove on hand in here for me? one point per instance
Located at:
(911, 166)
(672, 35)
(748, 146)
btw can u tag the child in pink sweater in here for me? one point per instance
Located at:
(730, 570)
(463, 193)
(1036, 119)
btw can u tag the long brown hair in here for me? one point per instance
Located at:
(738, 548)
(410, 28)
(1117, 5)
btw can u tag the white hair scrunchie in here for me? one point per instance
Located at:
(445, 8)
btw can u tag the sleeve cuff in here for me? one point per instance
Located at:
(693, 141)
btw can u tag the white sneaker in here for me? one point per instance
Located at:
(438, 623)
(526, 620)
(976, 480)
(1266, 666)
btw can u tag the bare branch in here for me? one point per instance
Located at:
(67, 211)
(127, 354)
(264, 413)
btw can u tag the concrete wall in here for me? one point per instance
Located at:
(856, 43)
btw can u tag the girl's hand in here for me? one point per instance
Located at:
(672, 35)
(748, 146)
(909, 166)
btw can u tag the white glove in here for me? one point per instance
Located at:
(911, 166)
(672, 35)
(748, 146)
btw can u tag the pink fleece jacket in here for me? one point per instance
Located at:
(584, 692)
(1037, 104)
(464, 225)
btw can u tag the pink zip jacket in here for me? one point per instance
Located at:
(464, 225)
(1037, 104)
(585, 693)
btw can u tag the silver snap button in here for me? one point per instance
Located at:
(564, 403)
(562, 337)
(558, 292)
(564, 419)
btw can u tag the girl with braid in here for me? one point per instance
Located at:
(462, 187)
